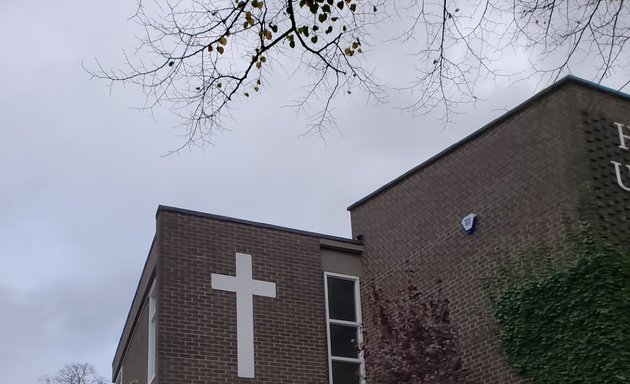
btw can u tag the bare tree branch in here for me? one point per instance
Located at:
(202, 57)
(207, 56)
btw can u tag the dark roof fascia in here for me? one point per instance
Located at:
(136, 316)
(569, 79)
(355, 249)
(165, 208)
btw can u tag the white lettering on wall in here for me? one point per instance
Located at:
(245, 287)
(618, 172)
(622, 136)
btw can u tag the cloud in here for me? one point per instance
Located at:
(45, 328)
(81, 175)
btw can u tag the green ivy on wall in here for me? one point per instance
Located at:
(573, 325)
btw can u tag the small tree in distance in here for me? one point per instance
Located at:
(412, 340)
(74, 373)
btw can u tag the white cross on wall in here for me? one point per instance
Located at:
(245, 287)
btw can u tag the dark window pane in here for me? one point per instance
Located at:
(343, 340)
(346, 373)
(341, 304)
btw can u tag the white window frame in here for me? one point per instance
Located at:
(151, 358)
(358, 324)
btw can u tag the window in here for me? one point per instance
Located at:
(152, 326)
(343, 320)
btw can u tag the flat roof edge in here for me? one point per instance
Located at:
(182, 211)
(569, 79)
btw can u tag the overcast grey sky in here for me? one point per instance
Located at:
(82, 175)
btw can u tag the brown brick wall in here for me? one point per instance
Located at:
(529, 178)
(525, 178)
(197, 325)
(607, 206)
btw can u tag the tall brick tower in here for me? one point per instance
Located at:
(532, 177)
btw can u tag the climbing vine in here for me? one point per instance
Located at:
(573, 324)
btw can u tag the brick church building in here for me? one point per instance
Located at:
(225, 300)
